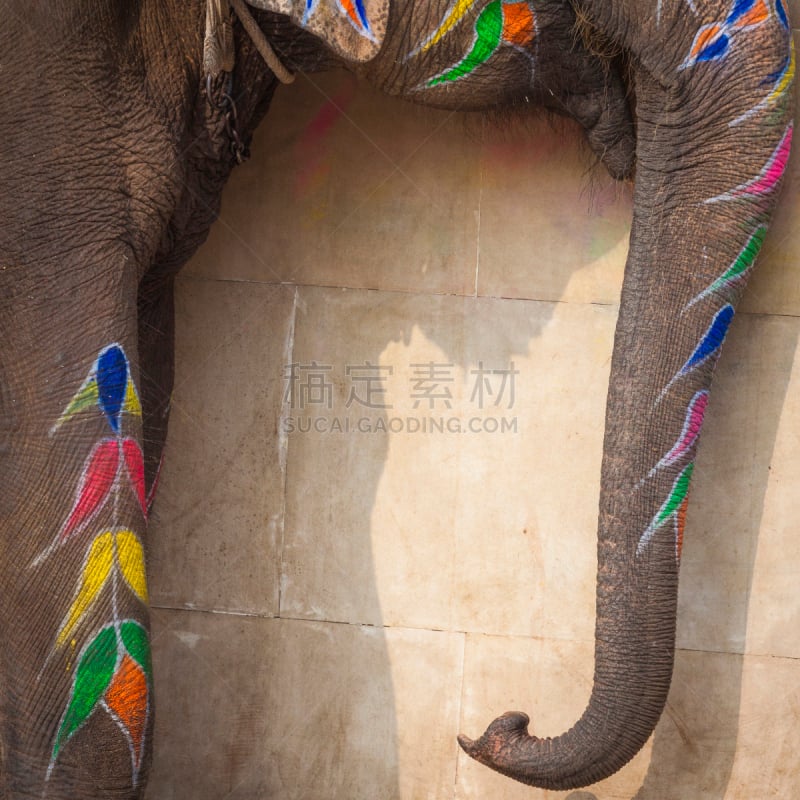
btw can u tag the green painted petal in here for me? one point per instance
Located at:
(85, 397)
(746, 257)
(489, 30)
(137, 643)
(95, 670)
(678, 494)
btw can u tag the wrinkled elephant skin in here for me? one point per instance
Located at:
(121, 122)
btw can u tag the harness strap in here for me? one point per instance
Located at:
(218, 50)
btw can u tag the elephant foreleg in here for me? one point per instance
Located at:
(77, 689)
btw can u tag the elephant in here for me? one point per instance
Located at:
(121, 123)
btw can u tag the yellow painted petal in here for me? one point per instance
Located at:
(131, 562)
(95, 572)
(451, 19)
(132, 404)
(786, 81)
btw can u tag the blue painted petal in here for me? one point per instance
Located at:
(310, 8)
(782, 13)
(362, 14)
(112, 381)
(740, 8)
(712, 339)
(778, 74)
(715, 49)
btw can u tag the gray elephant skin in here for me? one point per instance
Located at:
(121, 121)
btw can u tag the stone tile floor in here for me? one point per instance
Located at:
(332, 605)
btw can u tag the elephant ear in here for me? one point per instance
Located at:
(354, 29)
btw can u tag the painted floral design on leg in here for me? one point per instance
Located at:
(113, 667)
(113, 674)
(108, 386)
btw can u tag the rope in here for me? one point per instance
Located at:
(259, 40)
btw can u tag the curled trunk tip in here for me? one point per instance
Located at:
(503, 744)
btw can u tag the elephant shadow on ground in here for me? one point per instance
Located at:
(311, 584)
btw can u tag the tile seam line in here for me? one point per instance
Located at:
(463, 295)
(470, 295)
(459, 632)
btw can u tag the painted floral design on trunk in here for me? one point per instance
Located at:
(673, 510)
(500, 23)
(768, 179)
(113, 671)
(737, 272)
(708, 348)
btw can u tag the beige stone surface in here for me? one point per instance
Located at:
(218, 522)
(291, 710)
(426, 582)
(348, 176)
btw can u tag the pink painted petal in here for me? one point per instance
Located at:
(691, 429)
(95, 484)
(768, 178)
(134, 461)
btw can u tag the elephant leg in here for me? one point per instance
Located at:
(77, 705)
(714, 129)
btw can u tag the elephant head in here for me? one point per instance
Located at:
(709, 93)
(116, 145)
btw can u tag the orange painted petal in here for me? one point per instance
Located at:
(704, 38)
(355, 13)
(126, 698)
(519, 26)
(755, 16)
(680, 524)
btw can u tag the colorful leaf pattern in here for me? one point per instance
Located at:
(113, 669)
(113, 673)
(768, 179)
(673, 508)
(737, 271)
(353, 10)
(713, 43)
(500, 23)
(99, 474)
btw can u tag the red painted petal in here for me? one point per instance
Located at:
(95, 484)
(126, 698)
(134, 461)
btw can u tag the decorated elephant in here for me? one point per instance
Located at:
(121, 122)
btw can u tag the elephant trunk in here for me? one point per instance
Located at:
(713, 136)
